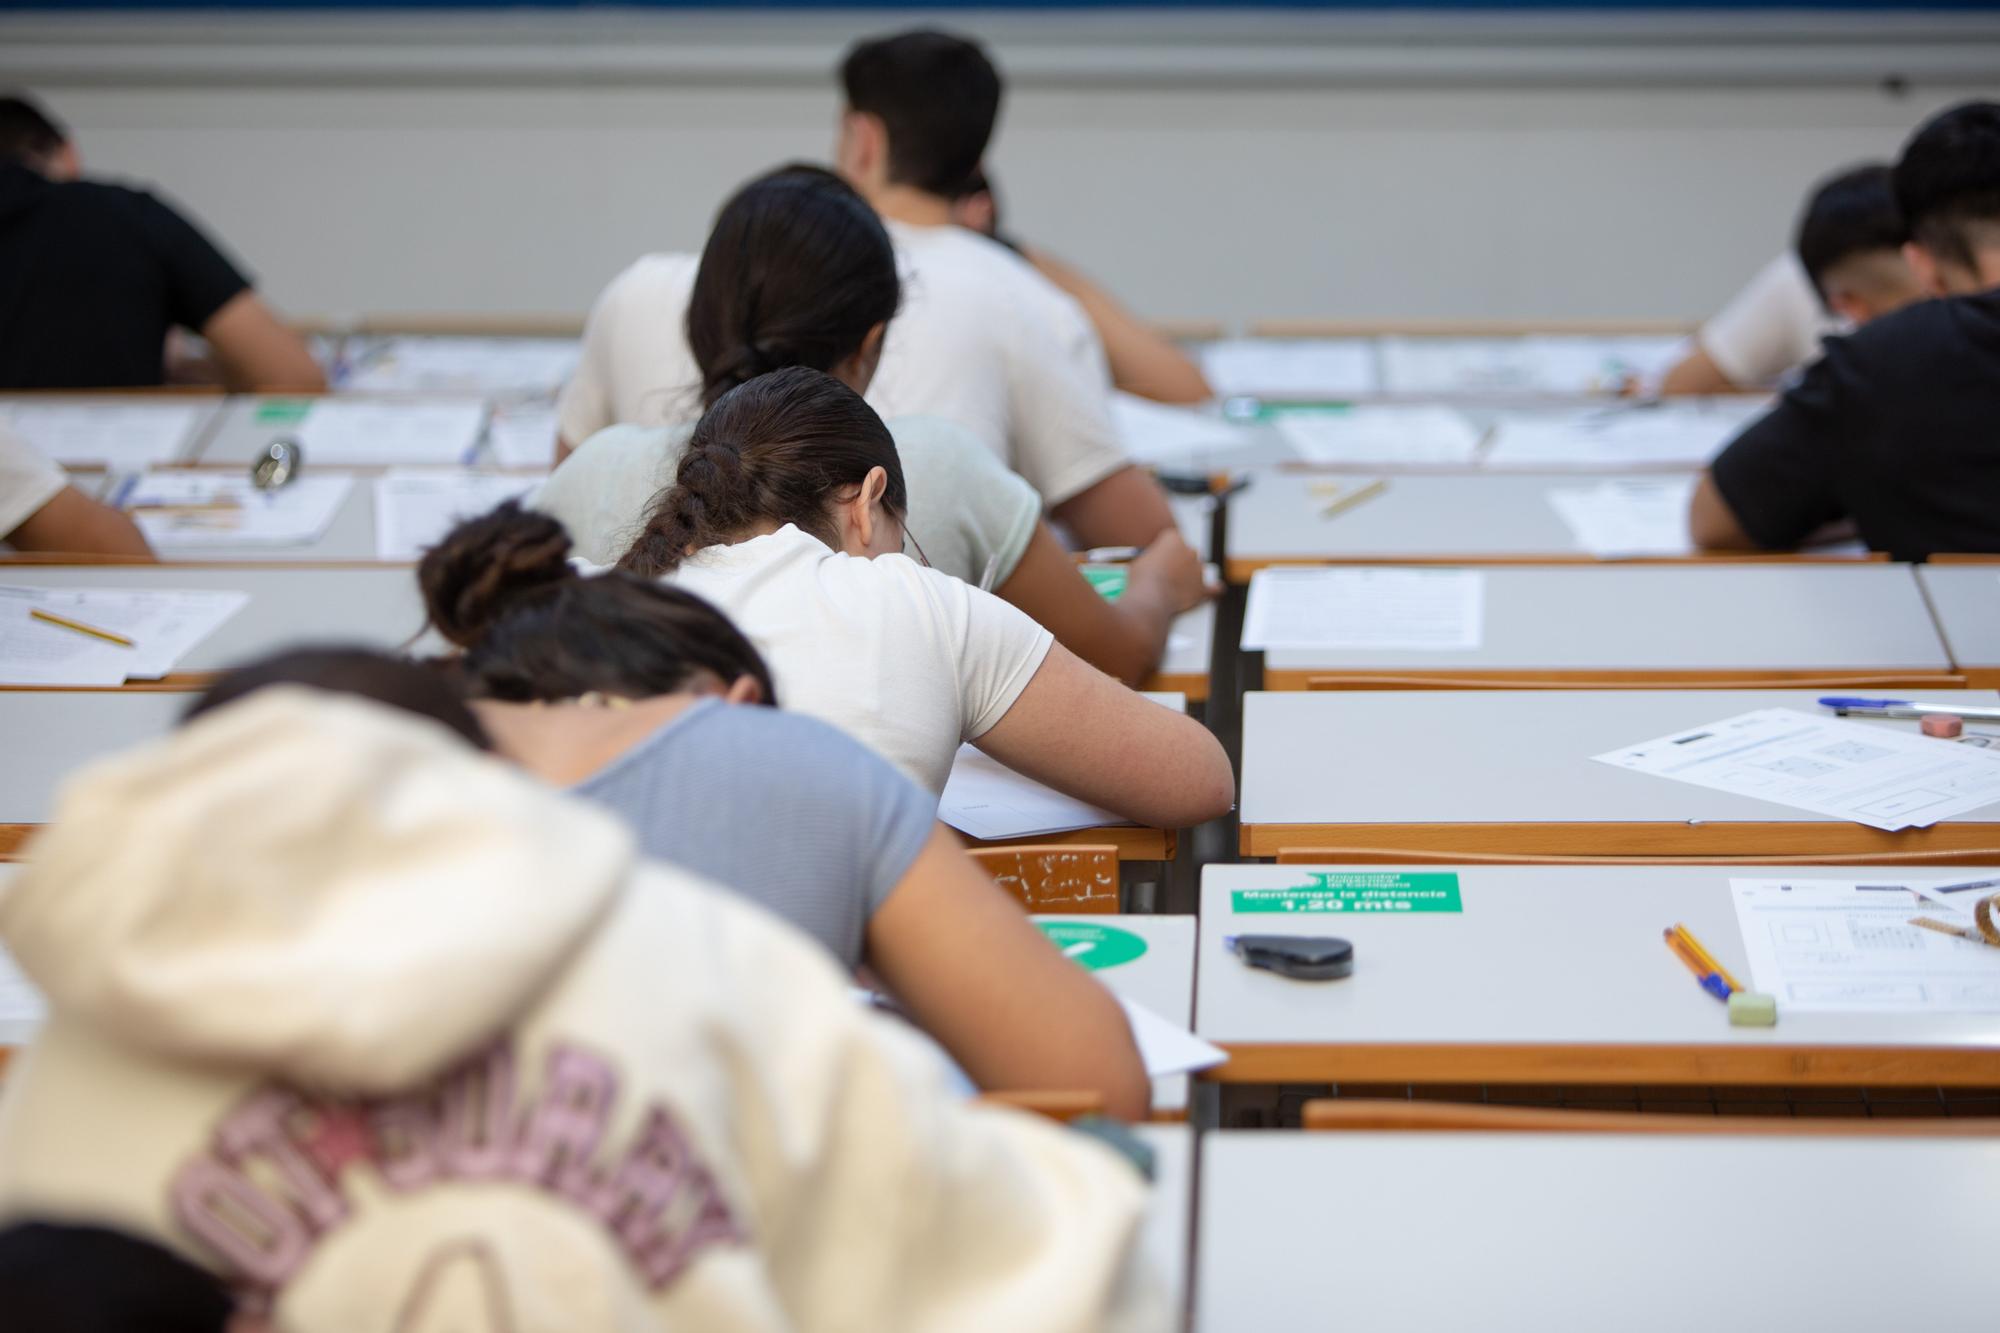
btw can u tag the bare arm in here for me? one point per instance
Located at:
(1711, 522)
(1142, 362)
(1081, 732)
(1697, 373)
(256, 353)
(75, 524)
(563, 449)
(974, 972)
(1123, 638)
(1127, 508)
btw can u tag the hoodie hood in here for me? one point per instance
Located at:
(309, 885)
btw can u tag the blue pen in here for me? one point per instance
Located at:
(1905, 708)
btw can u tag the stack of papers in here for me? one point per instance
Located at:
(1622, 519)
(177, 509)
(1376, 436)
(985, 799)
(1652, 435)
(1875, 775)
(1365, 609)
(1304, 369)
(346, 432)
(424, 364)
(415, 509)
(158, 627)
(1162, 436)
(110, 434)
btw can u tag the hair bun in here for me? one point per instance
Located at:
(486, 564)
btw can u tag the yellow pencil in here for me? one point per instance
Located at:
(1707, 958)
(1347, 502)
(49, 617)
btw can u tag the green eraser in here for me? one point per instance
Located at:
(1752, 1009)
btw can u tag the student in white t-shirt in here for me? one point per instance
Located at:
(787, 514)
(982, 339)
(1845, 268)
(41, 511)
(799, 271)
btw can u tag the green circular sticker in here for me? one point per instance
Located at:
(1096, 947)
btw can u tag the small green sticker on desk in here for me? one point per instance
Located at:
(1330, 892)
(283, 411)
(1109, 580)
(1096, 947)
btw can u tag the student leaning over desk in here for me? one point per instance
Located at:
(394, 1037)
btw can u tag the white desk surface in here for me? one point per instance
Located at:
(1967, 601)
(1166, 1234)
(1194, 515)
(349, 539)
(1541, 955)
(236, 435)
(51, 733)
(376, 608)
(1724, 618)
(1162, 979)
(1525, 1233)
(1499, 756)
(1190, 645)
(22, 1008)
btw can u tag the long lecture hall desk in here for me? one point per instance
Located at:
(1862, 625)
(1458, 518)
(1549, 975)
(1521, 1233)
(1511, 771)
(1159, 975)
(1966, 599)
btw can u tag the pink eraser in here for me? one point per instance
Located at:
(1944, 726)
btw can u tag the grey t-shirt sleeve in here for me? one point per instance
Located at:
(972, 516)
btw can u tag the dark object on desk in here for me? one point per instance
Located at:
(277, 465)
(1301, 957)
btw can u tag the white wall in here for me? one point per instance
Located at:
(397, 178)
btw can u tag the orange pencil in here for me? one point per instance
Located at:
(1707, 958)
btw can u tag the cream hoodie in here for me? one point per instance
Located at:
(396, 1039)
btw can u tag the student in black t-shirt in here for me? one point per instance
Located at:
(1896, 428)
(93, 276)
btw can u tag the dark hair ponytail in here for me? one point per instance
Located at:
(501, 587)
(796, 272)
(774, 450)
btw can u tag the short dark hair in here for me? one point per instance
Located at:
(502, 588)
(937, 94)
(1848, 214)
(67, 1278)
(772, 450)
(796, 272)
(1948, 180)
(395, 682)
(26, 130)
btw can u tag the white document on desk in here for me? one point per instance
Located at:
(1682, 435)
(522, 436)
(1847, 946)
(1294, 368)
(1880, 776)
(110, 434)
(1374, 435)
(414, 510)
(1621, 519)
(1168, 1048)
(1158, 435)
(162, 623)
(348, 432)
(985, 799)
(190, 508)
(430, 364)
(1363, 609)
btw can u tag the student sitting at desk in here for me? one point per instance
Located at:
(788, 513)
(1846, 267)
(1142, 362)
(41, 511)
(1894, 428)
(93, 277)
(391, 1036)
(799, 271)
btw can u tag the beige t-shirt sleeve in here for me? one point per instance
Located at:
(1771, 327)
(27, 481)
(995, 649)
(1059, 398)
(603, 492)
(972, 517)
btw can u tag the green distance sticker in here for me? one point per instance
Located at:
(1096, 947)
(1109, 580)
(283, 411)
(1358, 893)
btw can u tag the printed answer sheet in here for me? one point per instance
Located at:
(1620, 519)
(1846, 946)
(110, 434)
(1371, 436)
(414, 510)
(346, 432)
(430, 364)
(1880, 776)
(1291, 368)
(1442, 609)
(187, 508)
(1162, 435)
(163, 624)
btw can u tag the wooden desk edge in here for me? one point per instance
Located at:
(1681, 838)
(1133, 843)
(1722, 1063)
(1239, 568)
(1301, 678)
(1194, 684)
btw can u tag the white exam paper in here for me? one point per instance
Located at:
(108, 434)
(1291, 368)
(415, 509)
(411, 363)
(1374, 435)
(348, 432)
(1846, 946)
(296, 514)
(1441, 609)
(1880, 776)
(1166, 1046)
(523, 436)
(1534, 363)
(1674, 434)
(1616, 519)
(164, 624)
(1158, 434)
(985, 799)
